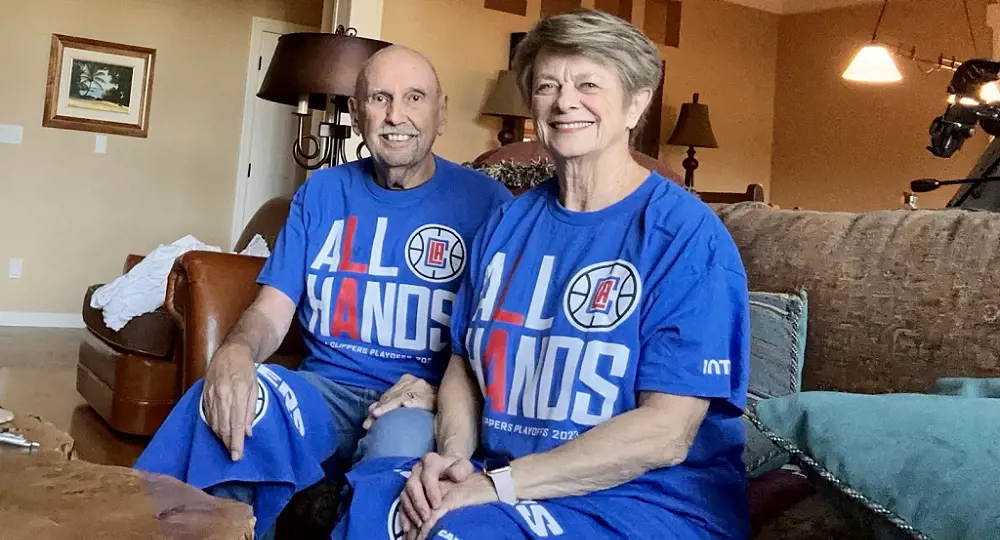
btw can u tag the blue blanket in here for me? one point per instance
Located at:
(293, 434)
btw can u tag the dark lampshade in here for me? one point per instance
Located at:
(505, 99)
(693, 127)
(316, 64)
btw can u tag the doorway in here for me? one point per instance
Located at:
(266, 168)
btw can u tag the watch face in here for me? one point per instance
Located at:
(496, 464)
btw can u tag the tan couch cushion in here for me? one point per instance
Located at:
(897, 299)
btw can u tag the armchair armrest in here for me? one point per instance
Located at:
(207, 293)
(130, 262)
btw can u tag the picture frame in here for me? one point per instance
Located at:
(99, 86)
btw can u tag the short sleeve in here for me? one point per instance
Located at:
(460, 315)
(471, 281)
(697, 336)
(285, 268)
(500, 198)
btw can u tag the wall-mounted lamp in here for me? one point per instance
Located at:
(312, 71)
(505, 101)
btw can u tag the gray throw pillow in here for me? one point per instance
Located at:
(777, 352)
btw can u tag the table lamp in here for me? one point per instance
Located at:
(506, 102)
(693, 129)
(307, 71)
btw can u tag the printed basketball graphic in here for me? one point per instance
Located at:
(394, 525)
(602, 295)
(260, 408)
(435, 253)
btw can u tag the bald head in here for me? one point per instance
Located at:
(397, 59)
(398, 107)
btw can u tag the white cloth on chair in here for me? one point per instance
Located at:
(257, 247)
(143, 288)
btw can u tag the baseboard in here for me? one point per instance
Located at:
(41, 320)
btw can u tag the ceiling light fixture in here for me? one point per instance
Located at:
(874, 63)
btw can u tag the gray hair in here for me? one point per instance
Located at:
(596, 35)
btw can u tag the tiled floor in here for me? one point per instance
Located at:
(38, 376)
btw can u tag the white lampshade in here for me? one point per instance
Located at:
(873, 64)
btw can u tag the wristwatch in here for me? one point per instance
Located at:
(498, 469)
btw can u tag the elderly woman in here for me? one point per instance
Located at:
(601, 339)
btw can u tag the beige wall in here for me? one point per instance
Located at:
(72, 214)
(847, 146)
(727, 54)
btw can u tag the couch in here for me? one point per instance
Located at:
(897, 300)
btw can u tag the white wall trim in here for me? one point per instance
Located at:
(363, 15)
(41, 320)
(259, 26)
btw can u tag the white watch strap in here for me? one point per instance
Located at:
(504, 485)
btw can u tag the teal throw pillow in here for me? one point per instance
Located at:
(777, 352)
(928, 464)
(968, 387)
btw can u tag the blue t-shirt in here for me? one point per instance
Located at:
(567, 316)
(374, 271)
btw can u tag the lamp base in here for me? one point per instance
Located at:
(329, 146)
(512, 130)
(690, 164)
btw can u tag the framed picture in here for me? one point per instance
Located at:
(98, 86)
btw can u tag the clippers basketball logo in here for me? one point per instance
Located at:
(260, 408)
(602, 295)
(436, 253)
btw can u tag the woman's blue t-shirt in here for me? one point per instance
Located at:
(566, 317)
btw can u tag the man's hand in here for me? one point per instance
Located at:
(229, 397)
(475, 489)
(422, 493)
(411, 392)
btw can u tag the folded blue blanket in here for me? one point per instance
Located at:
(293, 434)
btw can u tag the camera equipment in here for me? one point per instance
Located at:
(974, 99)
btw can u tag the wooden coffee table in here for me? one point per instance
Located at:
(48, 493)
(53, 442)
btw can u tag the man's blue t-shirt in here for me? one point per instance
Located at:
(566, 317)
(374, 271)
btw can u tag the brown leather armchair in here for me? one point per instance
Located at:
(133, 377)
(207, 293)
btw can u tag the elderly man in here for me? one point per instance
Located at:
(369, 262)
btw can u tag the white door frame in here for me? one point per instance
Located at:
(260, 25)
(363, 15)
